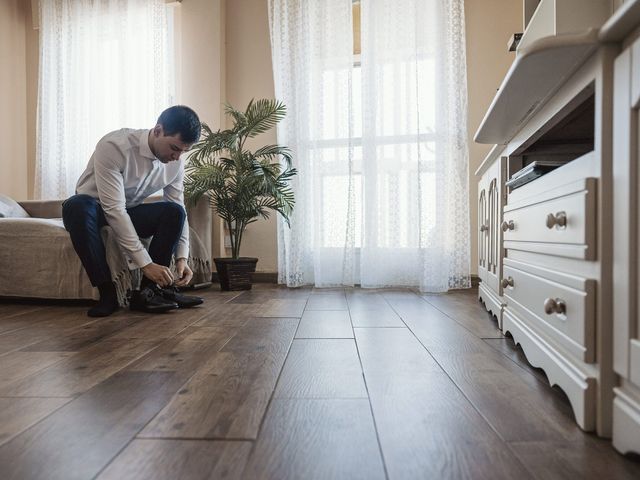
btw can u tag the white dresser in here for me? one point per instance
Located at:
(561, 274)
(626, 231)
(555, 291)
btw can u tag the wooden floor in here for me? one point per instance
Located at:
(279, 383)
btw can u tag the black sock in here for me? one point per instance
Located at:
(108, 302)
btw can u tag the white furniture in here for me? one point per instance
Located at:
(491, 199)
(568, 293)
(556, 293)
(626, 224)
(552, 18)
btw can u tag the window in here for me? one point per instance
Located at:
(104, 65)
(396, 140)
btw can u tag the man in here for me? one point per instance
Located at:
(127, 166)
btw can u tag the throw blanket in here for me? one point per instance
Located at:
(37, 260)
(127, 280)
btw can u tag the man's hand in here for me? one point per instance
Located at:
(158, 274)
(184, 272)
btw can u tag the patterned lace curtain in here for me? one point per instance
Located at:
(104, 65)
(312, 51)
(415, 153)
(379, 142)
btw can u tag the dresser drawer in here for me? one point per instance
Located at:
(560, 222)
(561, 306)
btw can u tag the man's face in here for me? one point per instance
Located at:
(168, 148)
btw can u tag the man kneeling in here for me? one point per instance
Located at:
(127, 166)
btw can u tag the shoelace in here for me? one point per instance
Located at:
(151, 291)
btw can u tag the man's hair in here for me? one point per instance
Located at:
(183, 120)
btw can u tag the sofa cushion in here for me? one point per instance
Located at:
(9, 208)
(38, 260)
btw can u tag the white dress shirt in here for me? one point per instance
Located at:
(121, 173)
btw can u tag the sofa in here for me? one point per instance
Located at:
(37, 259)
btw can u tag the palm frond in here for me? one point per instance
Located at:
(241, 185)
(239, 118)
(212, 143)
(262, 116)
(273, 153)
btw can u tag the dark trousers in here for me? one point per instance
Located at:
(83, 218)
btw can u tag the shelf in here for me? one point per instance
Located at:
(622, 23)
(564, 17)
(535, 75)
(489, 159)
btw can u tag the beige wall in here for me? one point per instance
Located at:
(200, 67)
(32, 59)
(234, 67)
(13, 98)
(489, 24)
(200, 62)
(250, 75)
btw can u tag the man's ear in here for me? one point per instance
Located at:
(158, 131)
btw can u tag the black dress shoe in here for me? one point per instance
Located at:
(172, 294)
(150, 300)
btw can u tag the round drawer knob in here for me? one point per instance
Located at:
(507, 282)
(559, 219)
(554, 305)
(508, 225)
(484, 228)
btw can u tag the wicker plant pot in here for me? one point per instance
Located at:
(235, 273)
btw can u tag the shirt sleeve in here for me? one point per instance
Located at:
(174, 192)
(108, 164)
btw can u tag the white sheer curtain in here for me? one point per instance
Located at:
(380, 145)
(312, 50)
(415, 152)
(104, 65)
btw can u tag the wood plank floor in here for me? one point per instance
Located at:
(281, 383)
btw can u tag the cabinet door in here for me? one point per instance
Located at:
(626, 275)
(493, 215)
(483, 229)
(626, 215)
(492, 237)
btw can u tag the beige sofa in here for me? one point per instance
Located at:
(37, 259)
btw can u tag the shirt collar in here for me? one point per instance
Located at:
(145, 151)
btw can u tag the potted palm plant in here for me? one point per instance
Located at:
(242, 185)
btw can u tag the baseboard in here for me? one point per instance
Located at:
(578, 383)
(626, 422)
(492, 302)
(272, 277)
(257, 277)
(198, 286)
(46, 301)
